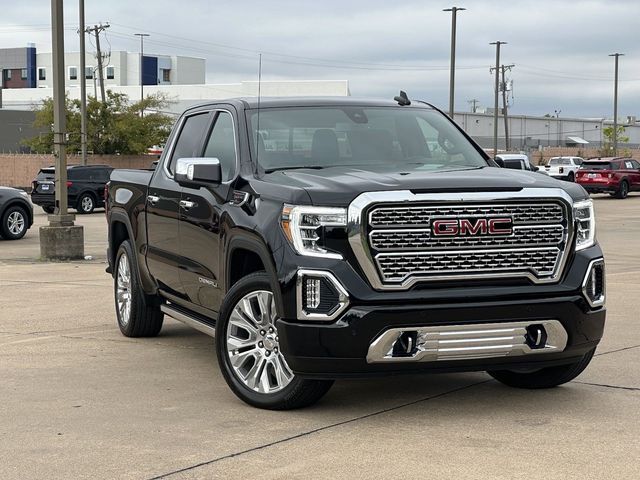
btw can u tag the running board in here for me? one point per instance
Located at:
(190, 320)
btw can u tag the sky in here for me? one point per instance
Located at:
(559, 48)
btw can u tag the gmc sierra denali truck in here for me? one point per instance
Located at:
(328, 238)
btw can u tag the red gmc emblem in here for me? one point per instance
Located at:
(453, 227)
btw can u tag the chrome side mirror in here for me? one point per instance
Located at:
(198, 172)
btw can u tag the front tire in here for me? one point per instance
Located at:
(248, 350)
(545, 378)
(136, 312)
(86, 203)
(14, 223)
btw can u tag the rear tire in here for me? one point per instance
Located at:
(49, 210)
(546, 378)
(15, 223)
(623, 190)
(136, 312)
(571, 177)
(248, 350)
(86, 203)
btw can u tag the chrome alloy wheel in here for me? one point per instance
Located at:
(123, 290)
(252, 344)
(86, 204)
(15, 223)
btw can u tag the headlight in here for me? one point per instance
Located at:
(586, 224)
(302, 225)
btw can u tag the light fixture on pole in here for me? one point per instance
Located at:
(452, 73)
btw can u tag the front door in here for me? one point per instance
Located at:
(163, 204)
(201, 212)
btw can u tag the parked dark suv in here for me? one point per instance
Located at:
(85, 187)
(16, 213)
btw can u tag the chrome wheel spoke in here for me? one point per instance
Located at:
(252, 344)
(123, 290)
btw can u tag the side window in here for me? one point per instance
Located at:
(628, 164)
(222, 145)
(189, 138)
(635, 164)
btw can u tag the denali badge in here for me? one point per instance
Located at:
(472, 226)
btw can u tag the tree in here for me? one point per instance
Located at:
(113, 127)
(607, 144)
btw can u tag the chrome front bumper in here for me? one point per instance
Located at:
(466, 342)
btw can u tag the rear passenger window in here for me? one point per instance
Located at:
(628, 164)
(222, 145)
(189, 138)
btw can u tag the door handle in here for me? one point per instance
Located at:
(186, 204)
(153, 199)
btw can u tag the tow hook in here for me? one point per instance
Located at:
(536, 336)
(405, 346)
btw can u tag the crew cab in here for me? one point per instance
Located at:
(329, 238)
(563, 168)
(616, 176)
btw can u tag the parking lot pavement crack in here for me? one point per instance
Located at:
(619, 387)
(616, 350)
(317, 430)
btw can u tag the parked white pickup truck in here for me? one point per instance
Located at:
(563, 168)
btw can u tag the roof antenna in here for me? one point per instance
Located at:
(258, 116)
(402, 99)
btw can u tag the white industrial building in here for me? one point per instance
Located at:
(123, 68)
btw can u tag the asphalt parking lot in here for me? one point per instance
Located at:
(78, 400)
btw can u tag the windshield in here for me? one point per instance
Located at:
(362, 137)
(559, 161)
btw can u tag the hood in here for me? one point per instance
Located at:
(340, 185)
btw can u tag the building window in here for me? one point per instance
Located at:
(42, 74)
(7, 74)
(111, 73)
(73, 73)
(166, 75)
(88, 73)
(23, 74)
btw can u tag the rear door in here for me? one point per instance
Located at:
(163, 254)
(200, 215)
(632, 171)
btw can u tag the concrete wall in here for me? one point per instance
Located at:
(19, 170)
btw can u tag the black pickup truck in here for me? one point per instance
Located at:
(328, 238)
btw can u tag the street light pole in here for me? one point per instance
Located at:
(495, 104)
(61, 239)
(615, 103)
(141, 35)
(452, 72)
(83, 86)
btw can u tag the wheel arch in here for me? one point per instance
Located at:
(248, 253)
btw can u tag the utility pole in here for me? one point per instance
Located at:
(452, 73)
(615, 103)
(96, 30)
(503, 88)
(141, 35)
(61, 239)
(83, 86)
(495, 103)
(473, 103)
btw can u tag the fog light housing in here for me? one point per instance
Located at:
(319, 295)
(593, 286)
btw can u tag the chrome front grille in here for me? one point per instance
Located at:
(392, 237)
(546, 212)
(396, 267)
(415, 239)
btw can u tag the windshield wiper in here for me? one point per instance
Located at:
(312, 167)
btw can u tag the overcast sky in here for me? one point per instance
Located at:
(559, 47)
